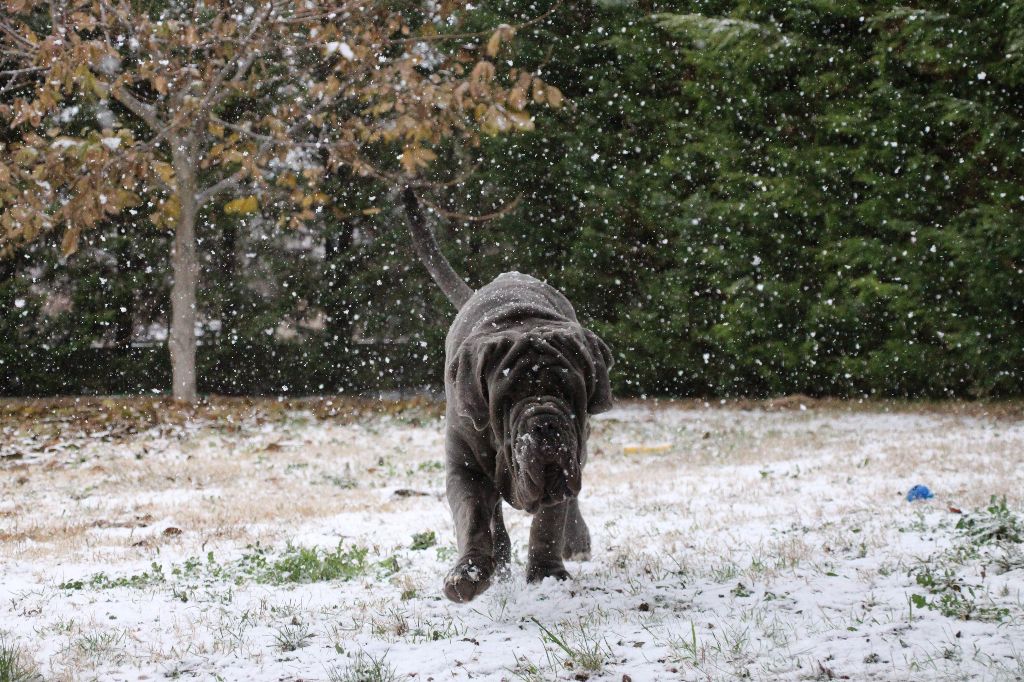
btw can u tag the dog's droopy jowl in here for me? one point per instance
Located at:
(521, 378)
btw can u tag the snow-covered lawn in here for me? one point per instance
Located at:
(728, 544)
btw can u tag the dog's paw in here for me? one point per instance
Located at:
(534, 574)
(577, 541)
(503, 571)
(467, 580)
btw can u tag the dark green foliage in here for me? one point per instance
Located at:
(742, 198)
(754, 198)
(20, 311)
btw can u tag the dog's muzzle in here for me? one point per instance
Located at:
(545, 453)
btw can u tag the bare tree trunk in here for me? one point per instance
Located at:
(185, 266)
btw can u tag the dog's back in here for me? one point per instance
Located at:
(510, 300)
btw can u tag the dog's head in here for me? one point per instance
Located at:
(534, 387)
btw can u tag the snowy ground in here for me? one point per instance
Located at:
(769, 545)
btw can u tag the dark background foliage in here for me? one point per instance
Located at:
(742, 198)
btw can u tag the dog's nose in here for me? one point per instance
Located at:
(546, 431)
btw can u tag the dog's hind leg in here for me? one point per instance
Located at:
(502, 543)
(547, 536)
(577, 536)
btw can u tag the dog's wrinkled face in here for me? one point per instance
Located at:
(532, 391)
(546, 453)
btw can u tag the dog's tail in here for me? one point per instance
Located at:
(457, 291)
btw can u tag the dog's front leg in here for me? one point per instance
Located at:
(473, 500)
(547, 537)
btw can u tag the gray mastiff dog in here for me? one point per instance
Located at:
(522, 377)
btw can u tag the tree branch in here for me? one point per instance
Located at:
(223, 185)
(270, 141)
(465, 217)
(13, 35)
(144, 111)
(18, 72)
(215, 93)
(14, 76)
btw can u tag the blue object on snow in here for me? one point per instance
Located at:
(919, 492)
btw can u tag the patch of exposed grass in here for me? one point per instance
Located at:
(292, 636)
(992, 536)
(15, 663)
(446, 552)
(683, 647)
(577, 646)
(424, 540)
(954, 597)
(294, 565)
(100, 647)
(343, 482)
(365, 668)
(527, 671)
(101, 581)
(996, 525)
(310, 565)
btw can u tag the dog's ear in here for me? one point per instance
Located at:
(599, 397)
(590, 359)
(470, 372)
